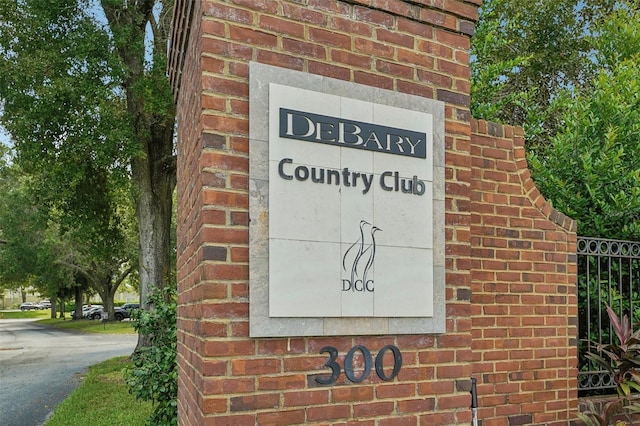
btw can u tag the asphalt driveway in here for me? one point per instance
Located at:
(41, 366)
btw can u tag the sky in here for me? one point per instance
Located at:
(5, 139)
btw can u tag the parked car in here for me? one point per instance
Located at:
(73, 314)
(29, 306)
(130, 306)
(85, 310)
(94, 312)
(45, 304)
(118, 314)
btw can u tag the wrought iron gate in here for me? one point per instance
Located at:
(608, 274)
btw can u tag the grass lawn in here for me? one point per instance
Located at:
(91, 326)
(102, 399)
(46, 313)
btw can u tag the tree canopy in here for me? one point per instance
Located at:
(41, 249)
(20, 223)
(526, 55)
(591, 168)
(567, 71)
(87, 102)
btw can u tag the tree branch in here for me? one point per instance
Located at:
(81, 271)
(124, 274)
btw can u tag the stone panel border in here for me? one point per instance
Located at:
(260, 323)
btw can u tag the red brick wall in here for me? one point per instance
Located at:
(417, 47)
(523, 303)
(191, 210)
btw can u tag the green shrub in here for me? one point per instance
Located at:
(154, 376)
(622, 360)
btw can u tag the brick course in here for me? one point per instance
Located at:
(510, 258)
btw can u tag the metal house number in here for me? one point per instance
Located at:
(368, 359)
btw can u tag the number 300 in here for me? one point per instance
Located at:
(366, 355)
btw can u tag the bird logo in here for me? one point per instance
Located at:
(358, 260)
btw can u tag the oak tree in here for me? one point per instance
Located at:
(85, 97)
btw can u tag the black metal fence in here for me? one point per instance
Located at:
(608, 274)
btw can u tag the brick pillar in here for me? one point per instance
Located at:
(225, 376)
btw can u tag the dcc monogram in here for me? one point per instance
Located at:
(358, 260)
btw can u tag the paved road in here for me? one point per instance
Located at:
(41, 366)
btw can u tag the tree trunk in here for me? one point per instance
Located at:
(108, 305)
(107, 293)
(153, 171)
(78, 303)
(61, 308)
(54, 307)
(153, 207)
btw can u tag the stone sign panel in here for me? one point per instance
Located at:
(346, 208)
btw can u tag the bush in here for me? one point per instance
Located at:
(154, 376)
(622, 361)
